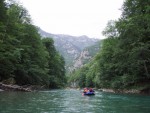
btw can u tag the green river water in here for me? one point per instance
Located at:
(72, 101)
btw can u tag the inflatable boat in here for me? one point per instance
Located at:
(88, 93)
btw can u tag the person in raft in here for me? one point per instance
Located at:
(85, 90)
(88, 90)
(91, 90)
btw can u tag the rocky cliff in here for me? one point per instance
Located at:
(85, 56)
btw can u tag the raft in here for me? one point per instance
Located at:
(89, 93)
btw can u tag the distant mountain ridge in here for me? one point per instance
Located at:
(69, 47)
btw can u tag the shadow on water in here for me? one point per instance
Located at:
(72, 101)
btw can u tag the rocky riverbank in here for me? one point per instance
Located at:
(120, 91)
(6, 87)
(127, 91)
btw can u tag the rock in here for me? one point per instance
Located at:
(131, 91)
(145, 91)
(1, 90)
(6, 87)
(108, 90)
(9, 81)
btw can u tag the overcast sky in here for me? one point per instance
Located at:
(73, 17)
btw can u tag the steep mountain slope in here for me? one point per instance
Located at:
(69, 47)
(85, 56)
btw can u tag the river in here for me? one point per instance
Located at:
(71, 101)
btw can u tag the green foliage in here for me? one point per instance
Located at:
(56, 65)
(124, 59)
(23, 55)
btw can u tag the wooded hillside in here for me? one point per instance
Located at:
(25, 58)
(124, 59)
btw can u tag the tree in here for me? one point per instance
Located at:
(56, 65)
(23, 55)
(131, 57)
(124, 59)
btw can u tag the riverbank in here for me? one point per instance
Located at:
(127, 91)
(30, 88)
(120, 91)
(9, 87)
(145, 91)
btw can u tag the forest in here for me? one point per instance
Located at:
(25, 57)
(124, 59)
(123, 62)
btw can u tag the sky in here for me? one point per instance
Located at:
(73, 17)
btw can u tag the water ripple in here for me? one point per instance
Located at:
(72, 101)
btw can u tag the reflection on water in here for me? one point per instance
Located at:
(71, 101)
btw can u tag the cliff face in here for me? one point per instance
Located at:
(71, 47)
(85, 56)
